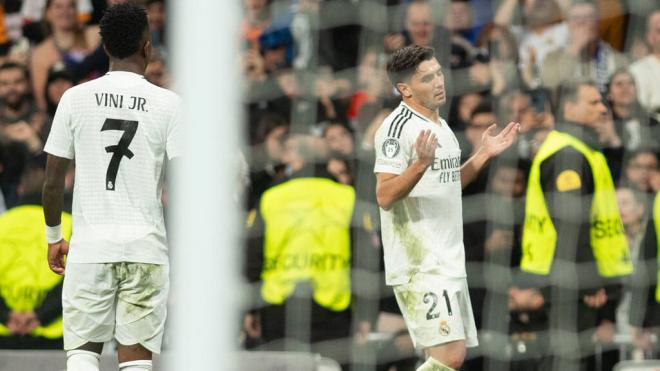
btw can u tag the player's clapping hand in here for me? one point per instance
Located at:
(494, 144)
(425, 147)
(56, 253)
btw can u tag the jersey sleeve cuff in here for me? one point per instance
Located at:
(58, 153)
(388, 169)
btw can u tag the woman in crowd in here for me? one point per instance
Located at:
(68, 42)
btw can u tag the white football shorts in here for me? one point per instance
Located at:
(127, 301)
(437, 310)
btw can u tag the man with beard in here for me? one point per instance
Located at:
(20, 120)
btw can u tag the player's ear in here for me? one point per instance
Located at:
(404, 89)
(147, 49)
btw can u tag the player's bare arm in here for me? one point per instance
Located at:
(391, 188)
(491, 146)
(53, 194)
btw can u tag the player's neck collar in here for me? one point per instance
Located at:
(416, 113)
(124, 73)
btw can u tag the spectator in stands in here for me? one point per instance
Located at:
(421, 27)
(339, 140)
(34, 22)
(255, 21)
(573, 246)
(371, 91)
(340, 170)
(156, 72)
(475, 209)
(647, 69)
(276, 46)
(15, 156)
(332, 96)
(585, 55)
(351, 162)
(632, 205)
(459, 21)
(300, 251)
(254, 69)
(481, 118)
(542, 31)
(655, 181)
(67, 42)
(20, 120)
(461, 110)
(497, 72)
(532, 110)
(645, 302)
(157, 22)
(5, 30)
(341, 151)
(638, 169)
(633, 124)
(59, 81)
(266, 165)
(30, 294)
(503, 205)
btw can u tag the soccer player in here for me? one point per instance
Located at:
(118, 128)
(419, 178)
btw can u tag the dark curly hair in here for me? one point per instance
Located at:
(403, 62)
(122, 28)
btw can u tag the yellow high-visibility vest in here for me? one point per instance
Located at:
(656, 218)
(307, 239)
(25, 278)
(608, 240)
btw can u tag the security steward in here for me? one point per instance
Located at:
(300, 254)
(30, 293)
(574, 247)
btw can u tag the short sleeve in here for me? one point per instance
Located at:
(392, 153)
(60, 138)
(174, 134)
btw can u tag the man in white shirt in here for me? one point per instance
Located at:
(647, 70)
(119, 128)
(419, 180)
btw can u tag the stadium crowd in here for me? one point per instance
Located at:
(315, 90)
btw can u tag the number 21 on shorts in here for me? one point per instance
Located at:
(432, 299)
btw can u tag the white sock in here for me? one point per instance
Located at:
(433, 365)
(82, 360)
(139, 365)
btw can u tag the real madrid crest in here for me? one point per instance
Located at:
(444, 328)
(391, 147)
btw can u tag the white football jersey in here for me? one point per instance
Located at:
(423, 232)
(118, 128)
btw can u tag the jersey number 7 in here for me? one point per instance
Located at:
(120, 149)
